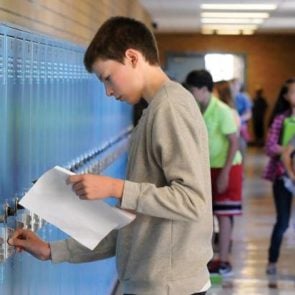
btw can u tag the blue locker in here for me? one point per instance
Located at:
(3, 122)
(21, 142)
(42, 113)
(27, 172)
(11, 95)
(35, 109)
(49, 94)
(52, 112)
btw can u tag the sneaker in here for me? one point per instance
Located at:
(271, 269)
(225, 269)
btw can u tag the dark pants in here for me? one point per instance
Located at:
(283, 204)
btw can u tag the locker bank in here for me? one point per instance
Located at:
(53, 112)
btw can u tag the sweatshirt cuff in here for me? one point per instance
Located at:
(59, 251)
(130, 196)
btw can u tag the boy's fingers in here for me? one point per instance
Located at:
(74, 179)
(18, 243)
(17, 233)
(78, 186)
(19, 237)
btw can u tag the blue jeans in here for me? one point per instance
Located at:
(283, 204)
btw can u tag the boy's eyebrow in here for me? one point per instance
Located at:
(99, 77)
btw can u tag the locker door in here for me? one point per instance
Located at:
(49, 107)
(26, 111)
(67, 100)
(2, 116)
(35, 103)
(11, 96)
(56, 106)
(72, 104)
(62, 106)
(21, 163)
(42, 109)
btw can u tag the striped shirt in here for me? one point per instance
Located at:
(275, 167)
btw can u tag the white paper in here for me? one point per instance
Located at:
(86, 221)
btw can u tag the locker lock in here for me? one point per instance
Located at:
(9, 210)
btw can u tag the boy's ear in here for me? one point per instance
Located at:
(132, 56)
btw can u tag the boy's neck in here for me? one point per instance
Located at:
(155, 78)
(205, 103)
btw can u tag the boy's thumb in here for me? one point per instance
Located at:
(74, 178)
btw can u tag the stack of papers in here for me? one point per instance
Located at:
(86, 221)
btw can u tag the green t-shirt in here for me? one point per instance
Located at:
(288, 130)
(220, 122)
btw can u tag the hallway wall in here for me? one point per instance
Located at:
(269, 57)
(73, 20)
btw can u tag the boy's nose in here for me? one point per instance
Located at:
(109, 91)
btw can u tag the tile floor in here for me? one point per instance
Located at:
(251, 240)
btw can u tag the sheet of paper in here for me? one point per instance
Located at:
(88, 222)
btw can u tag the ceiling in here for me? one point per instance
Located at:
(278, 16)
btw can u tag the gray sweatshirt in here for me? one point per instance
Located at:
(165, 250)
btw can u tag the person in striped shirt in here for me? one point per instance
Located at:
(275, 170)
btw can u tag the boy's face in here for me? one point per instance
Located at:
(120, 80)
(200, 94)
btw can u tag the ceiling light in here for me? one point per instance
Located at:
(228, 31)
(231, 21)
(248, 32)
(207, 31)
(235, 14)
(238, 6)
(229, 27)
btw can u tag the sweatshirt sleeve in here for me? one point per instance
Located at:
(70, 250)
(180, 149)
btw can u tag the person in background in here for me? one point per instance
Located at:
(275, 170)
(289, 159)
(259, 110)
(222, 89)
(165, 250)
(225, 162)
(244, 107)
(224, 93)
(289, 162)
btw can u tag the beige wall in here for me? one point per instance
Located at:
(270, 58)
(73, 20)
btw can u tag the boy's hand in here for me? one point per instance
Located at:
(93, 187)
(222, 181)
(24, 239)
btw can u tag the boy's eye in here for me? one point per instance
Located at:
(108, 79)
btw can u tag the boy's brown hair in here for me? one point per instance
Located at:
(224, 92)
(117, 35)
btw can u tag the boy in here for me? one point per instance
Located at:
(165, 250)
(225, 162)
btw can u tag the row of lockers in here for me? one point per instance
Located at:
(52, 112)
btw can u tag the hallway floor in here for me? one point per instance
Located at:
(251, 240)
